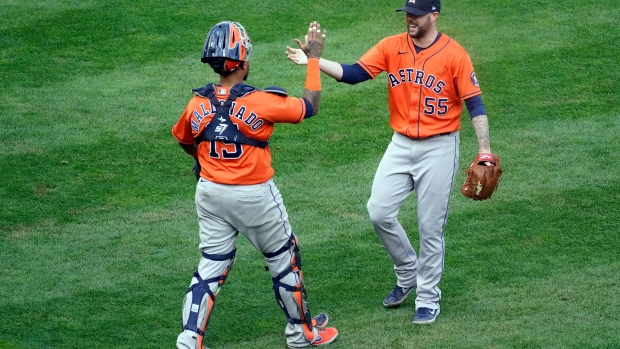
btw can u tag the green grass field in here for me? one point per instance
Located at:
(98, 234)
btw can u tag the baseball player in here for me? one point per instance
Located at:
(227, 126)
(429, 75)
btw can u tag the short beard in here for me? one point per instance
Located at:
(424, 26)
(420, 33)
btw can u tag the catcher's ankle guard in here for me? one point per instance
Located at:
(292, 298)
(201, 306)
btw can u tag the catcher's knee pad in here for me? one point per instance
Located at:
(290, 291)
(200, 298)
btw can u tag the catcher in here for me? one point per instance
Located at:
(226, 127)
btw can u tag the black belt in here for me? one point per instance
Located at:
(439, 134)
(435, 135)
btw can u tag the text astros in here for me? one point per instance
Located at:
(410, 75)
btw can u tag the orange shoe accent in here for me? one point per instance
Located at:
(325, 336)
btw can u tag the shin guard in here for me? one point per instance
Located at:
(200, 298)
(290, 291)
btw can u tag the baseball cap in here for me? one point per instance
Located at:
(421, 7)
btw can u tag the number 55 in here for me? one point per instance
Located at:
(430, 106)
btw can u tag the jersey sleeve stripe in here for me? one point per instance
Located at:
(306, 109)
(471, 94)
(372, 76)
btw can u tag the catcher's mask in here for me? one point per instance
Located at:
(226, 46)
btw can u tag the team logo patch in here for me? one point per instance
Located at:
(221, 91)
(473, 79)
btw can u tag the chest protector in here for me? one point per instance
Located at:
(221, 128)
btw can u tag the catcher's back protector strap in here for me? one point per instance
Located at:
(290, 291)
(203, 291)
(220, 127)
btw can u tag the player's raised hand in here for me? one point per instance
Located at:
(296, 55)
(313, 46)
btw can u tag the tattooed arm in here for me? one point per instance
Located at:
(481, 126)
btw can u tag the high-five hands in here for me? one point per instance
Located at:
(313, 46)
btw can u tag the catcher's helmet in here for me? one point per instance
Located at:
(226, 46)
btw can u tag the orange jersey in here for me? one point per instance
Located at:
(255, 115)
(425, 90)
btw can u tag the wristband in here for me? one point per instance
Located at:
(313, 75)
(484, 157)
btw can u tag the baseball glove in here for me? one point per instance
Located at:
(482, 180)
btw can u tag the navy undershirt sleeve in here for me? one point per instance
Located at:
(309, 110)
(475, 106)
(353, 74)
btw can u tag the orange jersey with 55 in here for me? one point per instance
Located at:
(255, 115)
(426, 89)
